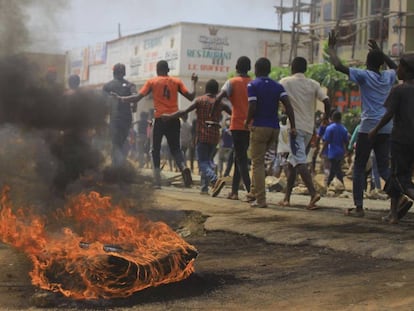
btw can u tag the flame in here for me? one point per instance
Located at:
(103, 253)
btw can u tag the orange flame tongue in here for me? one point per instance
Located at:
(107, 254)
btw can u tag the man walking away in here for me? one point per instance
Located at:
(235, 89)
(165, 91)
(303, 93)
(264, 96)
(375, 86)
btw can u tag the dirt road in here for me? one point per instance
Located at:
(267, 259)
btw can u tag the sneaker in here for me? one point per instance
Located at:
(188, 180)
(250, 197)
(217, 187)
(256, 204)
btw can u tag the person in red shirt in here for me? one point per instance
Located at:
(207, 134)
(165, 89)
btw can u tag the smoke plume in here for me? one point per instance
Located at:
(45, 135)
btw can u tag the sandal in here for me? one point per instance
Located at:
(390, 219)
(284, 203)
(232, 196)
(356, 212)
(313, 201)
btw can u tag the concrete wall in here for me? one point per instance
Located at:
(210, 51)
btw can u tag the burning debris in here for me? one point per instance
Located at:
(101, 251)
(89, 249)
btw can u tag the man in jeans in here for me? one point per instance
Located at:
(375, 86)
(264, 96)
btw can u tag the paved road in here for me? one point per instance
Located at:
(326, 227)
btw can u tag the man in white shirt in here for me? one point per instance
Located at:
(303, 94)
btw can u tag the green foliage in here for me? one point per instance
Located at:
(324, 73)
(351, 118)
(278, 73)
(328, 77)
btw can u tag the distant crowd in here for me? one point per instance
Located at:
(253, 127)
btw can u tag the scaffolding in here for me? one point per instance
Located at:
(297, 8)
(316, 27)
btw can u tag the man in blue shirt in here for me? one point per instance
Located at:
(264, 95)
(375, 86)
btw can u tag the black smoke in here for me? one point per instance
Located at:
(46, 136)
(66, 125)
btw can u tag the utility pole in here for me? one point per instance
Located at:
(293, 32)
(381, 26)
(281, 33)
(400, 16)
(312, 32)
(119, 30)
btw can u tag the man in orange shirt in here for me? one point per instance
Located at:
(235, 89)
(165, 91)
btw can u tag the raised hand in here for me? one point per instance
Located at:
(332, 39)
(194, 78)
(373, 46)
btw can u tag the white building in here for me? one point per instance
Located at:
(210, 51)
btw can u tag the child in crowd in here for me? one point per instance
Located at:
(207, 134)
(225, 149)
(335, 142)
(186, 137)
(283, 147)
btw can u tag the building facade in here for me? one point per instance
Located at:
(389, 22)
(210, 51)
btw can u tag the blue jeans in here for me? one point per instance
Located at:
(205, 153)
(375, 177)
(381, 146)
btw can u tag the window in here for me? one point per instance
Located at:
(376, 31)
(346, 11)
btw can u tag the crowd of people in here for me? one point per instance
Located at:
(255, 125)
